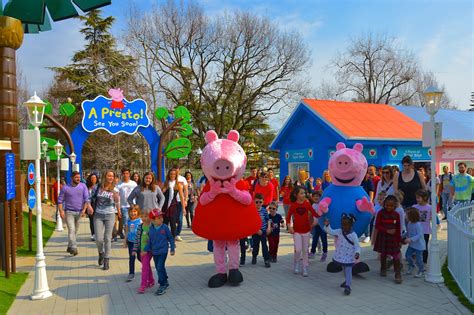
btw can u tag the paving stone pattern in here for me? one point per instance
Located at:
(79, 286)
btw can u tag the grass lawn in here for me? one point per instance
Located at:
(453, 286)
(9, 288)
(48, 229)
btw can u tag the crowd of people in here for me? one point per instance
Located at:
(148, 216)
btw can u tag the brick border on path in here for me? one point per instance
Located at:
(80, 287)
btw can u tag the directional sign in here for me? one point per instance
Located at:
(31, 198)
(10, 175)
(31, 174)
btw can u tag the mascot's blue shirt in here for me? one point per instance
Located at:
(343, 200)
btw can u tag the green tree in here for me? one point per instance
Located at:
(92, 72)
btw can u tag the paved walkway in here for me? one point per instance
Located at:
(80, 287)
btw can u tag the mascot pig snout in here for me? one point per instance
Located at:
(223, 159)
(348, 166)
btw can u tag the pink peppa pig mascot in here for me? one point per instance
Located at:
(225, 212)
(345, 195)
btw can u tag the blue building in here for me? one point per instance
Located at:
(310, 134)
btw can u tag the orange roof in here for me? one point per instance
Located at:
(364, 120)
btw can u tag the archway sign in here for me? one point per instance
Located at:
(115, 115)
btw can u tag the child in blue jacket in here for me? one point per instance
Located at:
(416, 242)
(160, 240)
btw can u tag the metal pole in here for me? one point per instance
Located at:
(45, 178)
(434, 260)
(41, 288)
(7, 235)
(59, 220)
(13, 232)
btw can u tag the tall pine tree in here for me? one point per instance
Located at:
(92, 72)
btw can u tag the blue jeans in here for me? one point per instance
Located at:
(445, 202)
(131, 259)
(317, 233)
(257, 239)
(210, 246)
(180, 219)
(419, 258)
(160, 260)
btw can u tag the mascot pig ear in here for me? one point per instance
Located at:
(340, 146)
(233, 136)
(211, 135)
(358, 147)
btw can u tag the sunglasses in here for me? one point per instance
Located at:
(271, 208)
(258, 201)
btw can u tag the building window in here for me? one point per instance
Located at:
(294, 168)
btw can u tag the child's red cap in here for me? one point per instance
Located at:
(155, 213)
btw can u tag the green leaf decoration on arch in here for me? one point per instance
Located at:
(182, 112)
(188, 130)
(67, 109)
(178, 148)
(48, 108)
(161, 113)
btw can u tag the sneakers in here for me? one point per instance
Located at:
(296, 268)
(101, 259)
(343, 285)
(324, 256)
(347, 290)
(420, 274)
(311, 255)
(305, 271)
(106, 265)
(365, 240)
(130, 277)
(178, 238)
(68, 249)
(267, 264)
(93, 238)
(73, 251)
(162, 289)
(254, 260)
(410, 270)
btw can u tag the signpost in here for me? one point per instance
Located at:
(10, 176)
(31, 198)
(31, 174)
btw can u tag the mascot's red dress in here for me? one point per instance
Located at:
(225, 212)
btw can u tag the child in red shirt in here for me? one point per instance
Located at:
(285, 193)
(264, 187)
(303, 217)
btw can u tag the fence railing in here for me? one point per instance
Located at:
(461, 247)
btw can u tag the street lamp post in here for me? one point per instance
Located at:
(72, 157)
(35, 107)
(432, 98)
(44, 146)
(58, 149)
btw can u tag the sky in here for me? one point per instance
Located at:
(440, 33)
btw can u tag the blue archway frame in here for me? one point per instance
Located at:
(80, 135)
